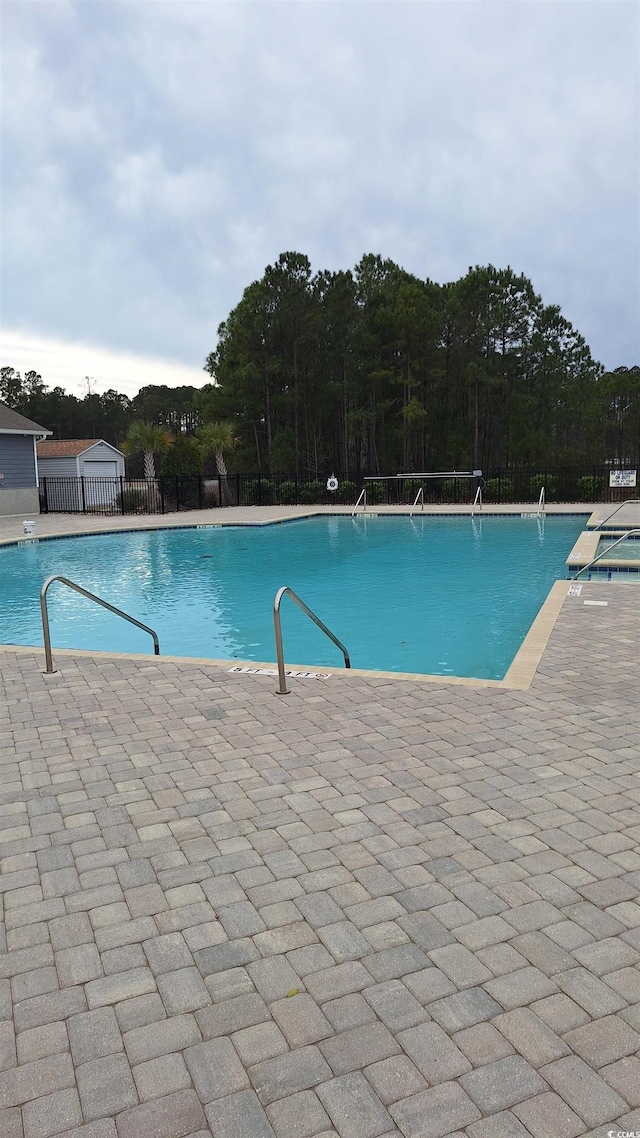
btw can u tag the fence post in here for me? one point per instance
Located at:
(161, 481)
(84, 501)
(122, 495)
(220, 502)
(46, 499)
(177, 493)
(199, 491)
(237, 489)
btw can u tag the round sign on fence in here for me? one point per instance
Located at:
(332, 483)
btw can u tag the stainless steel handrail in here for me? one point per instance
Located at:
(92, 597)
(629, 533)
(541, 503)
(627, 502)
(415, 502)
(477, 501)
(363, 494)
(283, 689)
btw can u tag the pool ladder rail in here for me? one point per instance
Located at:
(419, 495)
(286, 591)
(629, 533)
(92, 597)
(362, 498)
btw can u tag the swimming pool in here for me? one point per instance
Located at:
(628, 550)
(447, 596)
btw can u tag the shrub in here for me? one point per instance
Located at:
(498, 490)
(133, 501)
(311, 493)
(455, 490)
(346, 493)
(287, 493)
(550, 483)
(259, 492)
(407, 491)
(589, 488)
(376, 493)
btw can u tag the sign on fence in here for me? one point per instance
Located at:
(622, 478)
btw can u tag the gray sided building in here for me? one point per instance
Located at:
(18, 463)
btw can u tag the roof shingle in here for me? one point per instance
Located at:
(14, 423)
(66, 448)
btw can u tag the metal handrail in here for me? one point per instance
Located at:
(627, 502)
(541, 502)
(92, 597)
(629, 533)
(363, 494)
(415, 501)
(283, 689)
(477, 501)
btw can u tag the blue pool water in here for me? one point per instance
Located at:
(449, 596)
(628, 550)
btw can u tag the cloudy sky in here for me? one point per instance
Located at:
(158, 154)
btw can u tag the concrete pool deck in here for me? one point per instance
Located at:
(370, 908)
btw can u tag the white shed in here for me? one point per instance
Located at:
(91, 470)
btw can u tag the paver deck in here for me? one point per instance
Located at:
(370, 908)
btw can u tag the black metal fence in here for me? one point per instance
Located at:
(187, 492)
(128, 495)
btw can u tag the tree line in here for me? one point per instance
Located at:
(375, 371)
(112, 417)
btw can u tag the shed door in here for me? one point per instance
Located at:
(101, 484)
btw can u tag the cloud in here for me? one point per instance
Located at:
(159, 155)
(67, 365)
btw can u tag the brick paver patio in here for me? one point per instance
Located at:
(371, 908)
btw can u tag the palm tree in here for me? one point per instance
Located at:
(216, 439)
(151, 439)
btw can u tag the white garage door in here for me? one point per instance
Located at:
(101, 484)
(100, 469)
